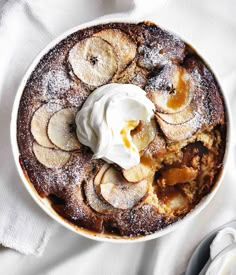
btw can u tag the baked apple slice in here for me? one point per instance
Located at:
(92, 197)
(93, 61)
(133, 74)
(40, 121)
(123, 45)
(157, 148)
(171, 89)
(62, 129)
(137, 173)
(118, 192)
(51, 158)
(178, 132)
(144, 134)
(181, 117)
(94, 201)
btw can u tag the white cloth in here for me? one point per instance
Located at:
(25, 28)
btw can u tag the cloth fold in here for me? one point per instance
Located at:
(25, 28)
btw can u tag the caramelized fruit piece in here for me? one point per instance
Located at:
(61, 129)
(171, 89)
(175, 200)
(157, 147)
(120, 193)
(93, 61)
(143, 134)
(50, 158)
(178, 203)
(174, 176)
(123, 45)
(181, 117)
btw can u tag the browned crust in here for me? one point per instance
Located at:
(66, 184)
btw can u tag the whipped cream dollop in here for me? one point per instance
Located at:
(106, 119)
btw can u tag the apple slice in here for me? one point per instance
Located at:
(140, 171)
(175, 176)
(171, 89)
(51, 158)
(93, 61)
(94, 201)
(99, 176)
(181, 117)
(157, 147)
(133, 74)
(123, 45)
(119, 193)
(179, 203)
(137, 173)
(182, 131)
(61, 129)
(40, 121)
(143, 134)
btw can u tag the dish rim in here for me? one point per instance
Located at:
(44, 203)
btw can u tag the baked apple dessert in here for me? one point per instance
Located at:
(122, 128)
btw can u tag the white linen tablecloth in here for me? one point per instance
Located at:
(25, 28)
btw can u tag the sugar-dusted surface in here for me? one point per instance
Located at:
(160, 48)
(53, 83)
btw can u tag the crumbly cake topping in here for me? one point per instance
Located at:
(181, 149)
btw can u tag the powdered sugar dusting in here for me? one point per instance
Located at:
(161, 79)
(142, 220)
(162, 48)
(55, 83)
(207, 96)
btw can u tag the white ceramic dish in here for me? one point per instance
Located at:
(44, 203)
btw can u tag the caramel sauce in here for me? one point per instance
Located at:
(127, 143)
(125, 132)
(175, 199)
(137, 129)
(168, 194)
(179, 175)
(180, 95)
(146, 160)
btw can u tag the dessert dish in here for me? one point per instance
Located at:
(122, 127)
